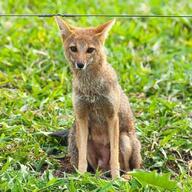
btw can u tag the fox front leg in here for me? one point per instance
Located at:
(114, 145)
(81, 138)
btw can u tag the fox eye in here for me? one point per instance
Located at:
(90, 50)
(73, 48)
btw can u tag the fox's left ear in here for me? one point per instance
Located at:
(102, 30)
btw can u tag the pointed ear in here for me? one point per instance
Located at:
(64, 27)
(102, 30)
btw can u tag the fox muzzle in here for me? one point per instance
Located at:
(80, 65)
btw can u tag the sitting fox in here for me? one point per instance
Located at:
(103, 134)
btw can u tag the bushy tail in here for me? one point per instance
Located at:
(62, 136)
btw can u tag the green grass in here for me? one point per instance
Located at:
(153, 59)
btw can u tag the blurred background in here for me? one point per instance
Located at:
(153, 60)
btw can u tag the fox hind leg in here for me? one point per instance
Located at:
(125, 151)
(135, 160)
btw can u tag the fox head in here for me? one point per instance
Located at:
(83, 47)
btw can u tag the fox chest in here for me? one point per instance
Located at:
(94, 94)
(99, 112)
(99, 103)
(99, 108)
(95, 98)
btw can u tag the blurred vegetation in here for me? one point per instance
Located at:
(153, 59)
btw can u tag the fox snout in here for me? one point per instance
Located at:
(80, 65)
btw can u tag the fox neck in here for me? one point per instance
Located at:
(91, 80)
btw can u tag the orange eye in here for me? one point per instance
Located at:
(90, 50)
(73, 48)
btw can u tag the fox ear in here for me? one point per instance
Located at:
(64, 27)
(102, 30)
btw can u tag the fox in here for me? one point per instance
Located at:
(103, 135)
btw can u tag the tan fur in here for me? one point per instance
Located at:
(104, 133)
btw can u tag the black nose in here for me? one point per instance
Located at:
(80, 65)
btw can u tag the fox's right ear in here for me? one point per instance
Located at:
(64, 27)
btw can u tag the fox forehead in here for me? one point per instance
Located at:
(82, 40)
(84, 31)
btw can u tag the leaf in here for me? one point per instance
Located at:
(52, 181)
(155, 179)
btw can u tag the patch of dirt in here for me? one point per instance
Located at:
(65, 167)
